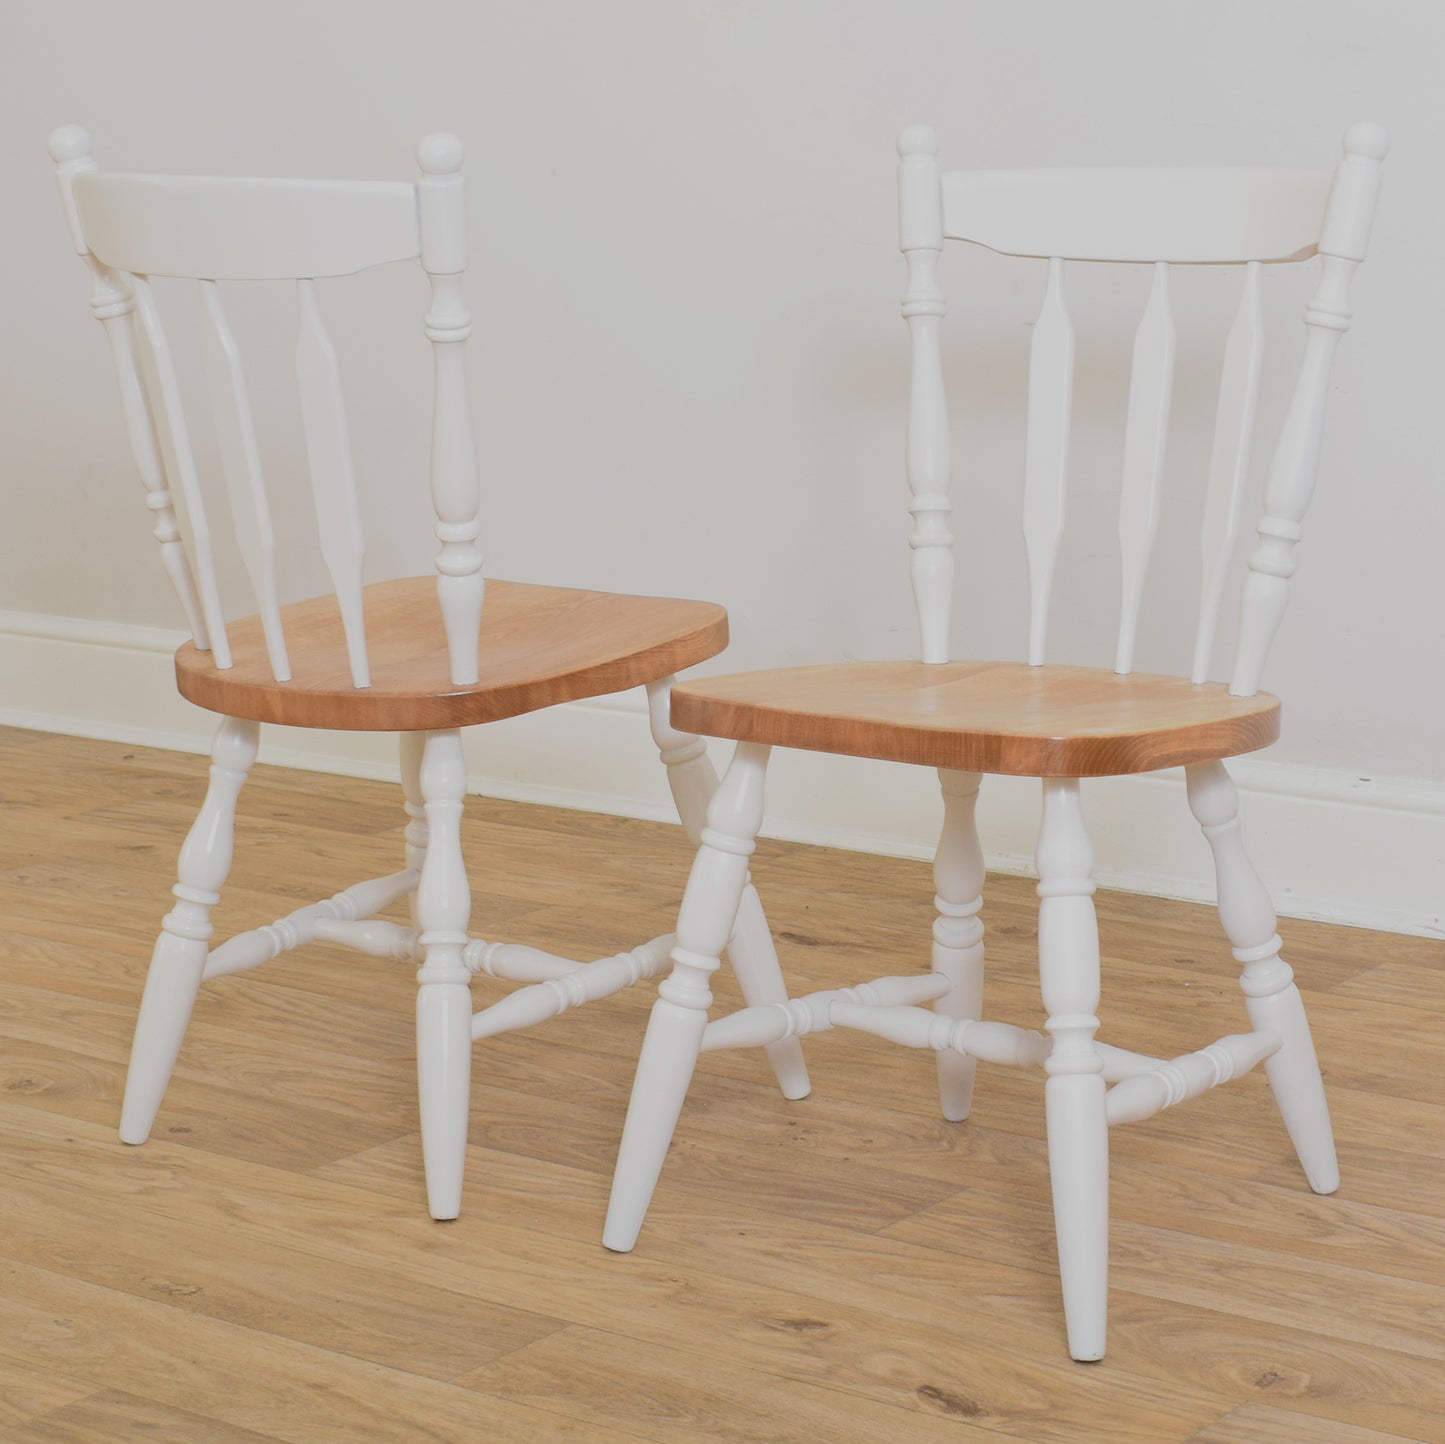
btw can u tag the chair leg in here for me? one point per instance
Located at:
(443, 1003)
(679, 1016)
(1271, 997)
(180, 952)
(411, 747)
(957, 932)
(1078, 1130)
(750, 950)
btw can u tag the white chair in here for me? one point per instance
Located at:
(1057, 723)
(417, 656)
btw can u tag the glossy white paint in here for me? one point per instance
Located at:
(1046, 461)
(920, 238)
(1151, 383)
(1343, 240)
(1247, 218)
(1188, 215)
(1229, 462)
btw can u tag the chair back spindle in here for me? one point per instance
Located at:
(1151, 383)
(241, 465)
(921, 240)
(130, 228)
(1046, 460)
(1229, 462)
(1161, 218)
(1344, 238)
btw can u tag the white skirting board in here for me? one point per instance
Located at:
(1367, 852)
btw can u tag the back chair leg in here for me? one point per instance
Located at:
(411, 747)
(180, 952)
(674, 1031)
(1271, 997)
(957, 932)
(443, 907)
(1078, 1129)
(750, 950)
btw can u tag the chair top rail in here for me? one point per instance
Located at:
(245, 229)
(1184, 215)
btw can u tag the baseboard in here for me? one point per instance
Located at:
(1332, 846)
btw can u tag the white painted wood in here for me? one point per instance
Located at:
(1271, 997)
(679, 1016)
(917, 1028)
(1046, 461)
(242, 229)
(921, 241)
(180, 952)
(535, 1004)
(411, 746)
(1121, 1063)
(813, 1013)
(333, 479)
(1151, 383)
(259, 945)
(158, 372)
(1229, 462)
(957, 954)
(455, 487)
(1146, 1094)
(443, 1000)
(113, 305)
(1074, 1096)
(1343, 241)
(750, 951)
(241, 463)
(1120, 213)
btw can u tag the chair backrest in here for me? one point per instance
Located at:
(129, 228)
(1161, 218)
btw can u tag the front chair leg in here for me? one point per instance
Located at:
(679, 1016)
(750, 950)
(1271, 997)
(1078, 1128)
(443, 1001)
(957, 932)
(180, 952)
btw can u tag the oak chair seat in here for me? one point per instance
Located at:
(996, 717)
(537, 646)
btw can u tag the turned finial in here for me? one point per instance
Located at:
(917, 140)
(69, 142)
(440, 154)
(1367, 140)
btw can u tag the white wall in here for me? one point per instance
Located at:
(688, 364)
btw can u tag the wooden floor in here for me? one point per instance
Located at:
(845, 1268)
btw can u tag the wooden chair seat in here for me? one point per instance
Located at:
(997, 717)
(538, 646)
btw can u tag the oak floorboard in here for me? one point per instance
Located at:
(1222, 1352)
(837, 1265)
(298, 1393)
(113, 1415)
(26, 1392)
(1263, 1424)
(666, 1393)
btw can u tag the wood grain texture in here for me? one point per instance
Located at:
(999, 717)
(539, 645)
(848, 1268)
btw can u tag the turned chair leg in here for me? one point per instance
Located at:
(957, 932)
(443, 907)
(1074, 1102)
(411, 745)
(750, 950)
(180, 952)
(674, 1031)
(1271, 997)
